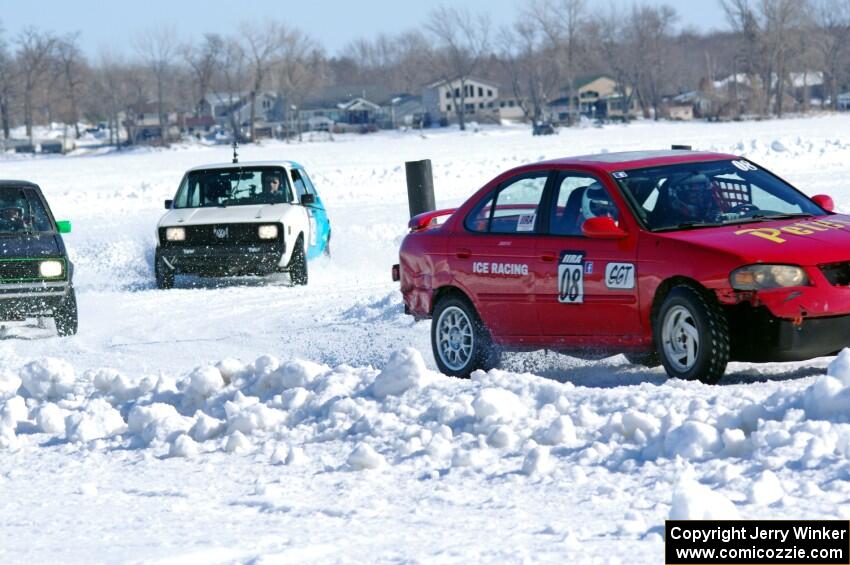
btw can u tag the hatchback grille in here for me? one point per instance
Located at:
(23, 270)
(838, 274)
(221, 234)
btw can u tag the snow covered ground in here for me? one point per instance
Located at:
(248, 420)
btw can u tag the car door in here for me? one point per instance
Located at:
(320, 229)
(589, 286)
(496, 257)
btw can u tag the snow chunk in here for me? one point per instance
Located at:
(693, 501)
(365, 457)
(692, 440)
(778, 146)
(238, 443)
(204, 382)
(183, 446)
(157, 421)
(206, 427)
(839, 367)
(293, 374)
(296, 456)
(51, 419)
(9, 383)
(404, 370)
(561, 431)
(99, 420)
(502, 437)
(229, 368)
(14, 411)
(538, 461)
(766, 489)
(48, 379)
(497, 404)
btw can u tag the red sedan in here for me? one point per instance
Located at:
(681, 258)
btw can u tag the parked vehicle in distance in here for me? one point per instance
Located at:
(242, 219)
(543, 128)
(36, 276)
(681, 258)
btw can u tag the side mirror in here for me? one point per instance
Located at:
(603, 227)
(168, 204)
(308, 199)
(63, 226)
(824, 202)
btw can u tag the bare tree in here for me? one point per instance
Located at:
(463, 42)
(8, 74)
(204, 61)
(832, 41)
(262, 46)
(561, 23)
(234, 75)
(157, 48)
(300, 71)
(34, 51)
(650, 31)
(72, 65)
(532, 67)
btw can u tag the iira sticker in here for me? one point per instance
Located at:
(571, 277)
(620, 175)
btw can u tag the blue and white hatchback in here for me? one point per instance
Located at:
(252, 218)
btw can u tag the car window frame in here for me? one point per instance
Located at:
(30, 194)
(551, 196)
(261, 168)
(493, 194)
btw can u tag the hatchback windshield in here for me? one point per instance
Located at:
(21, 211)
(695, 195)
(233, 187)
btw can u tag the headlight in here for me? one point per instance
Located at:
(267, 232)
(757, 277)
(50, 269)
(175, 234)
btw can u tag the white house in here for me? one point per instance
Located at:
(480, 99)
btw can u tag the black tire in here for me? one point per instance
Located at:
(163, 273)
(298, 264)
(651, 359)
(703, 313)
(482, 352)
(65, 317)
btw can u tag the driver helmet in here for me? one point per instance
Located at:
(691, 196)
(595, 202)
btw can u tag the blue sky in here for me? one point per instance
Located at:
(109, 24)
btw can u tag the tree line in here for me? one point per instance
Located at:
(45, 77)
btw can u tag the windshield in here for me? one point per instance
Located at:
(21, 211)
(695, 195)
(233, 187)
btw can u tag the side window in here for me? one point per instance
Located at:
(298, 182)
(40, 219)
(307, 182)
(578, 197)
(514, 208)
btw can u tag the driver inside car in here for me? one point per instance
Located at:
(12, 219)
(272, 186)
(692, 200)
(595, 203)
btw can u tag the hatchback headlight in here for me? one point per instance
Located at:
(267, 232)
(50, 269)
(175, 234)
(757, 277)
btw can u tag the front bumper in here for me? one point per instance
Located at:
(256, 259)
(759, 336)
(19, 300)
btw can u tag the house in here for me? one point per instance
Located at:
(142, 121)
(593, 96)
(480, 99)
(225, 108)
(510, 108)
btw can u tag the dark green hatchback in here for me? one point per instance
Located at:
(36, 277)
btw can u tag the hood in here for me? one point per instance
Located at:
(806, 241)
(225, 215)
(29, 245)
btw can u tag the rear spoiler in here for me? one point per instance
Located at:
(428, 219)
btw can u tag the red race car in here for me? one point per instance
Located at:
(681, 258)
